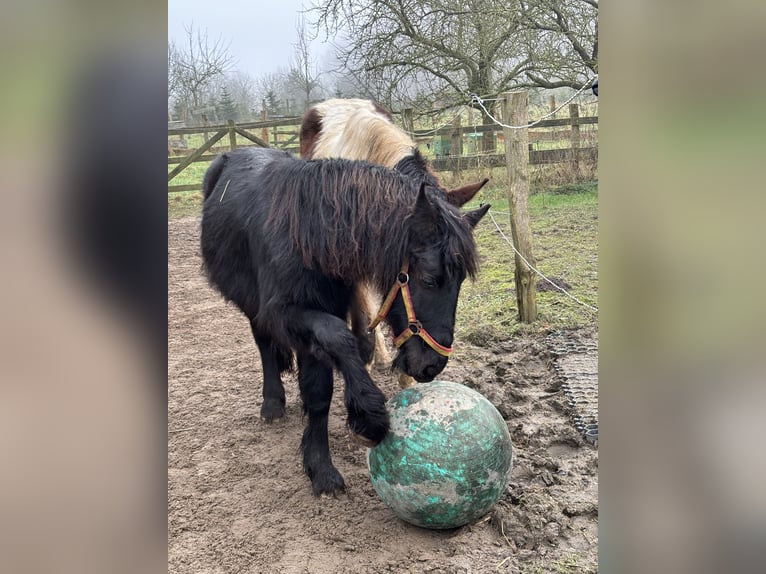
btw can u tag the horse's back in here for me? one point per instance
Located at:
(234, 201)
(226, 165)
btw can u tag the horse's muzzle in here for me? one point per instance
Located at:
(423, 365)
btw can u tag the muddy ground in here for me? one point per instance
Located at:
(238, 500)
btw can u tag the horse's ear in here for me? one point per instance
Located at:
(425, 215)
(462, 195)
(473, 217)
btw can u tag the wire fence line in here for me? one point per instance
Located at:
(444, 124)
(559, 288)
(475, 99)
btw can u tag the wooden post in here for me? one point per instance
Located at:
(407, 121)
(232, 135)
(517, 159)
(264, 131)
(574, 116)
(552, 102)
(205, 123)
(456, 146)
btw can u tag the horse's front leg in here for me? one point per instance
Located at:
(328, 338)
(315, 382)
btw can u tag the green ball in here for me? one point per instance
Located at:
(447, 458)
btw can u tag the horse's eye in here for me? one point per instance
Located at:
(428, 281)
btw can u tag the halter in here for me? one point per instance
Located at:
(413, 325)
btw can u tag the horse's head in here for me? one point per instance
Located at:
(423, 302)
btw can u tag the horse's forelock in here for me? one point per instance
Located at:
(444, 231)
(457, 241)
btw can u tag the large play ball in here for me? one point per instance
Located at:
(447, 458)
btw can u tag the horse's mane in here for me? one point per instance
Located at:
(352, 220)
(414, 165)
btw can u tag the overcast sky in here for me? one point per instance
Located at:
(261, 32)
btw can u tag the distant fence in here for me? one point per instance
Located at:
(448, 148)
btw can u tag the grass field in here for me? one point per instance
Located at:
(564, 224)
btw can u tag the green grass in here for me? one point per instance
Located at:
(564, 224)
(192, 174)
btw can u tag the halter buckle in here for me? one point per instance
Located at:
(403, 278)
(415, 327)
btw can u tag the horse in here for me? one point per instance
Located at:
(364, 130)
(287, 241)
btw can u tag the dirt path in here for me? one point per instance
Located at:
(238, 500)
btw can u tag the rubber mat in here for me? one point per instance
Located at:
(575, 360)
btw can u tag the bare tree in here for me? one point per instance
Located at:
(271, 91)
(564, 41)
(194, 65)
(174, 84)
(304, 73)
(449, 49)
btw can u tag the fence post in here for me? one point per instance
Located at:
(205, 123)
(574, 116)
(456, 145)
(409, 124)
(264, 131)
(517, 160)
(232, 135)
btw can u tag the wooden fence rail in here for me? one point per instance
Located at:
(271, 136)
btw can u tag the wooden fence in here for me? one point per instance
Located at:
(446, 146)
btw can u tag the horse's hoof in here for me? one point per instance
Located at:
(363, 441)
(372, 426)
(328, 483)
(272, 409)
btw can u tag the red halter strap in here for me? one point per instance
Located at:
(413, 325)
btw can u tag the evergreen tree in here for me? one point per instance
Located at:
(226, 108)
(272, 103)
